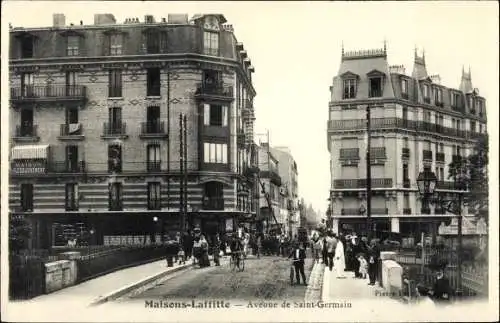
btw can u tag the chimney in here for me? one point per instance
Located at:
(59, 20)
(178, 18)
(104, 19)
(149, 19)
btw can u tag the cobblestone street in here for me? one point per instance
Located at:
(266, 278)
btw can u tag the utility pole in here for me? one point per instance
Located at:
(185, 172)
(181, 163)
(368, 173)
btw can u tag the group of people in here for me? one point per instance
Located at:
(347, 253)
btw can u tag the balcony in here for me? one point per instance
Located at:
(407, 211)
(406, 183)
(153, 166)
(214, 91)
(72, 131)
(349, 156)
(213, 203)
(440, 157)
(273, 176)
(153, 129)
(357, 211)
(49, 93)
(361, 183)
(26, 133)
(427, 155)
(114, 130)
(405, 153)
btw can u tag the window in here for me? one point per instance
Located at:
(153, 157)
(71, 197)
(27, 46)
(211, 43)
(406, 200)
(153, 82)
(405, 142)
(115, 44)
(213, 198)
(441, 173)
(27, 197)
(426, 91)
(27, 84)
(73, 43)
(427, 116)
(211, 78)
(349, 89)
(72, 158)
(438, 96)
(404, 86)
(480, 128)
(115, 120)
(115, 197)
(480, 107)
(27, 128)
(215, 153)
(375, 87)
(115, 158)
(71, 83)
(473, 126)
(405, 113)
(115, 83)
(215, 115)
(154, 196)
(405, 172)
(156, 42)
(71, 115)
(153, 119)
(454, 99)
(441, 148)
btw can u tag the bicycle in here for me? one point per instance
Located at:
(237, 260)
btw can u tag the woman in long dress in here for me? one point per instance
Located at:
(340, 259)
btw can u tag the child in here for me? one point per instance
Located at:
(363, 266)
(181, 255)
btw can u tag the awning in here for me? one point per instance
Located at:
(30, 152)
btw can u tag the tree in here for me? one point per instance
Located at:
(19, 233)
(471, 173)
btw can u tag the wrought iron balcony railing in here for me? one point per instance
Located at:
(361, 183)
(71, 130)
(219, 90)
(48, 93)
(349, 153)
(377, 153)
(153, 128)
(114, 128)
(26, 131)
(153, 166)
(427, 155)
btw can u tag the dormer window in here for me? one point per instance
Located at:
(438, 96)
(375, 89)
(375, 84)
(73, 46)
(27, 47)
(454, 99)
(349, 89)
(115, 44)
(211, 43)
(426, 91)
(404, 86)
(480, 107)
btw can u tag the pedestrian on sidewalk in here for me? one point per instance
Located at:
(187, 244)
(298, 255)
(339, 258)
(363, 267)
(324, 251)
(216, 249)
(373, 257)
(317, 246)
(331, 246)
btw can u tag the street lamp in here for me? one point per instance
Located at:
(155, 221)
(426, 182)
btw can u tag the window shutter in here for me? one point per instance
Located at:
(206, 114)
(224, 116)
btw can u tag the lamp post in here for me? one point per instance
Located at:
(426, 183)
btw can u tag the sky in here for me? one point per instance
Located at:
(295, 48)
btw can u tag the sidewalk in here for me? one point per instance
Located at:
(352, 289)
(88, 291)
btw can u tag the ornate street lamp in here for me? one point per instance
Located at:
(426, 182)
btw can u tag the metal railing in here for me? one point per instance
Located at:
(361, 183)
(153, 127)
(214, 89)
(48, 92)
(349, 153)
(427, 155)
(26, 131)
(377, 153)
(114, 128)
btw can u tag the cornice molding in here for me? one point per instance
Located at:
(170, 61)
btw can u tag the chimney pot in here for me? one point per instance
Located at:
(59, 20)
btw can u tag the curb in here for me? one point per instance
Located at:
(129, 288)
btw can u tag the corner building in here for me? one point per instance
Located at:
(95, 131)
(416, 124)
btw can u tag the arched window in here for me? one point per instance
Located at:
(213, 198)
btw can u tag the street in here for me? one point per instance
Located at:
(267, 278)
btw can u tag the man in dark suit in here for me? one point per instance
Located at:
(298, 255)
(441, 291)
(373, 257)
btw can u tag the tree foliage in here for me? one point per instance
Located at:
(19, 234)
(471, 173)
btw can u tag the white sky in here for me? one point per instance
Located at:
(296, 46)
